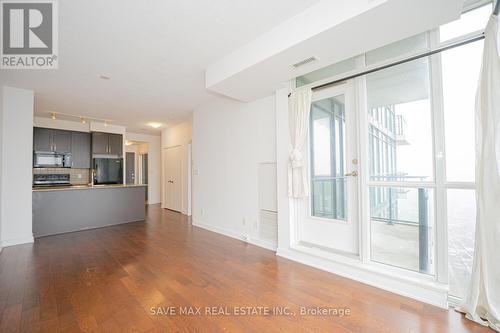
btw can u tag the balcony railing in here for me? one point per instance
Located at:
(329, 196)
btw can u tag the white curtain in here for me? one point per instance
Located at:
(482, 300)
(298, 112)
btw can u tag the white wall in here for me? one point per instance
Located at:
(154, 163)
(230, 140)
(16, 166)
(178, 135)
(97, 126)
(61, 124)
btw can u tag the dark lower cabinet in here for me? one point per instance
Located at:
(80, 150)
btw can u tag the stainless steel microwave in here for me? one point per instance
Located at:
(51, 160)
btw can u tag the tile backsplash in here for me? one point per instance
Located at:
(77, 176)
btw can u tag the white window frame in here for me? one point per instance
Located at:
(439, 185)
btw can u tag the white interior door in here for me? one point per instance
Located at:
(172, 178)
(329, 217)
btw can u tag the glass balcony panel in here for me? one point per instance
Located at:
(402, 227)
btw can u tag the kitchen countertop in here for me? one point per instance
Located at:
(83, 187)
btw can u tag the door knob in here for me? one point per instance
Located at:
(352, 174)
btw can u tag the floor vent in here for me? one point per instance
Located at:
(269, 225)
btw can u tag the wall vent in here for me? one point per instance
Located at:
(304, 62)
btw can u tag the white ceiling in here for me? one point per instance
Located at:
(155, 52)
(340, 30)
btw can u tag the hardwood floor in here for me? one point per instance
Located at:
(125, 278)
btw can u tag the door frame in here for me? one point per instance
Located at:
(304, 206)
(134, 166)
(185, 181)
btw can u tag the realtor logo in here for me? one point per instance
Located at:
(29, 34)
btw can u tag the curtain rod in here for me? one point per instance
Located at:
(400, 62)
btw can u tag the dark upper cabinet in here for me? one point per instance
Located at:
(107, 144)
(100, 143)
(116, 144)
(62, 141)
(80, 150)
(42, 139)
(51, 140)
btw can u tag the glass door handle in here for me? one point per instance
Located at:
(352, 174)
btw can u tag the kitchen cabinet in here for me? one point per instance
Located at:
(51, 140)
(107, 144)
(100, 143)
(62, 141)
(80, 150)
(116, 144)
(42, 139)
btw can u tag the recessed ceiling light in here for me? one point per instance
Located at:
(83, 120)
(105, 123)
(105, 77)
(155, 125)
(53, 116)
(128, 143)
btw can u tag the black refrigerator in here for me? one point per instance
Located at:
(108, 171)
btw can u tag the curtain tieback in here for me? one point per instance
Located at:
(296, 158)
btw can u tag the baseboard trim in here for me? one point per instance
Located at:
(454, 301)
(219, 230)
(263, 243)
(434, 294)
(17, 241)
(229, 233)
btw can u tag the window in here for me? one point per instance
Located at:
(402, 227)
(420, 199)
(327, 72)
(400, 48)
(460, 68)
(327, 157)
(461, 230)
(400, 126)
(400, 150)
(471, 21)
(460, 76)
